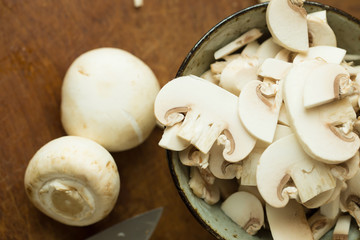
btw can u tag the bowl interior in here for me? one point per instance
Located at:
(347, 30)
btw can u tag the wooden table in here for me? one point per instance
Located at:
(38, 41)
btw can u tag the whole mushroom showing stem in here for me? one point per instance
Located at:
(199, 106)
(108, 96)
(73, 180)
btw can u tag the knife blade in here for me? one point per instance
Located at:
(139, 227)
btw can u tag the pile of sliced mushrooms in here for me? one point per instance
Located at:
(275, 130)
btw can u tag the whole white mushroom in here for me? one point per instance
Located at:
(73, 180)
(108, 96)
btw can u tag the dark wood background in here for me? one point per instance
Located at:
(38, 41)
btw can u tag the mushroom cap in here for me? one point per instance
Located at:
(287, 25)
(73, 180)
(108, 96)
(206, 118)
(316, 128)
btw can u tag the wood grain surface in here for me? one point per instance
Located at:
(39, 39)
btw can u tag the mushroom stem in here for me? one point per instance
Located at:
(342, 227)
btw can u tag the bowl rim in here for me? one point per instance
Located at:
(197, 46)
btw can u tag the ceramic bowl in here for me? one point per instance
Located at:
(347, 30)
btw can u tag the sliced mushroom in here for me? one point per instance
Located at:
(320, 33)
(286, 21)
(326, 83)
(283, 118)
(342, 228)
(285, 55)
(201, 189)
(288, 222)
(171, 141)
(245, 210)
(324, 131)
(221, 168)
(209, 76)
(352, 57)
(248, 177)
(319, 14)
(73, 180)
(267, 49)
(325, 53)
(238, 73)
(218, 66)
(347, 170)
(257, 111)
(206, 119)
(194, 158)
(331, 210)
(350, 198)
(320, 224)
(309, 176)
(254, 191)
(274, 68)
(250, 49)
(236, 44)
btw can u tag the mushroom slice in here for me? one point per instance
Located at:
(254, 191)
(320, 33)
(326, 53)
(285, 55)
(288, 222)
(238, 73)
(326, 83)
(209, 76)
(194, 158)
(350, 198)
(171, 141)
(201, 189)
(324, 132)
(221, 168)
(257, 111)
(274, 68)
(346, 170)
(250, 49)
(73, 180)
(352, 57)
(283, 118)
(332, 209)
(245, 210)
(319, 14)
(342, 227)
(267, 49)
(218, 66)
(286, 21)
(320, 224)
(206, 118)
(236, 44)
(309, 176)
(248, 177)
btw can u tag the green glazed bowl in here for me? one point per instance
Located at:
(198, 60)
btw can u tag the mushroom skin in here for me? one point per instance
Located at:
(199, 106)
(108, 96)
(73, 180)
